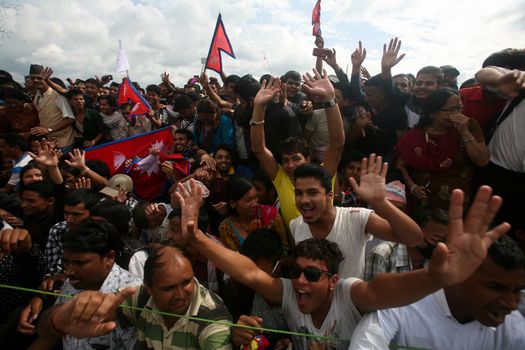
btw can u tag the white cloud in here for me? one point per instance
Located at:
(80, 39)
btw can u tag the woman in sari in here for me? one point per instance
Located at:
(247, 215)
(440, 153)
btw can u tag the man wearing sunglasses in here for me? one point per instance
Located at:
(314, 300)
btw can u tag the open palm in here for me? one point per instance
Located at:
(268, 91)
(371, 187)
(468, 240)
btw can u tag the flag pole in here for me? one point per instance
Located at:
(268, 63)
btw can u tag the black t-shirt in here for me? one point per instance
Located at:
(280, 123)
(390, 120)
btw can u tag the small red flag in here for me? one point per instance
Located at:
(316, 19)
(127, 93)
(219, 42)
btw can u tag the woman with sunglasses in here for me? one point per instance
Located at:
(440, 153)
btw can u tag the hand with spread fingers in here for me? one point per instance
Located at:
(358, 56)
(371, 187)
(391, 55)
(45, 155)
(468, 239)
(318, 85)
(267, 92)
(190, 203)
(89, 314)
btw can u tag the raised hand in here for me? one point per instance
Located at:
(268, 91)
(358, 56)
(468, 240)
(331, 58)
(89, 314)
(46, 155)
(390, 54)
(371, 187)
(203, 79)
(190, 202)
(319, 42)
(318, 85)
(77, 159)
(82, 182)
(460, 122)
(208, 161)
(47, 73)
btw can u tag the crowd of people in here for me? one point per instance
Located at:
(341, 212)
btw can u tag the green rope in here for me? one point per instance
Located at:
(193, 318)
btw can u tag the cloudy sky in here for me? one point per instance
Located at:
(79, 39)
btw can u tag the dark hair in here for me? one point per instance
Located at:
(99, 167)
(194, 96)
(232, 78)
(376, 81)
(114, 212)
(423, 214)
(187, 133)
(508, 58)
(92, 81)
(291, 75)
(433, 103)
(262, 244)
(317, 172)
(237, 187)
(114, 84)
(152, 263)
(44, 189)
(14, 139)
(207, 106)
(182, 102)
(74, 92)
(320, 249)
(247, 87)
(294, 145)
(15, 94)
(469, 83)
(82, 195)
(93, 236)
(266, 77)
(349, 157)
(506, 253)
(139, 215)
(432, 70)
(112, 102)
(225, 147)
(153, 88)
(261, 177)
(31, 165)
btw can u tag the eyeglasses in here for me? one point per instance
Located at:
(312, 274)
(453, 109)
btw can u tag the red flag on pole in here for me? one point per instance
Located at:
(219, 42)
(148, 178)
(316, 19)
(127, 93)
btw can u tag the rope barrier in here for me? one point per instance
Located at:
(193, 318)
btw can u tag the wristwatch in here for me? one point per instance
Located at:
(49, 130)
(329, 104)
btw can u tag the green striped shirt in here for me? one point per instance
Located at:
(185, 334)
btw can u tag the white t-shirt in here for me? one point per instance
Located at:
(429, 324)
(507, 146)
(348, 231)
(339, 322)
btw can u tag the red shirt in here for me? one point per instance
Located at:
(476, 107)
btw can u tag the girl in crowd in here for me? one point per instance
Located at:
(440, 153)
(247, 215)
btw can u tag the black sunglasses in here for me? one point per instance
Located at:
(312, 274)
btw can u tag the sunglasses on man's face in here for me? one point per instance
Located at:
(312, 274)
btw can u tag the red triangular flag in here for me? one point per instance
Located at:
(219, 42)
(127, 93)
(316, 19)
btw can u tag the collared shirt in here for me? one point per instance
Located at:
(185, 333)
(54, 249)
(387, 257)
(122, 337)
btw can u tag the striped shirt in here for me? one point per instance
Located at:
(185, 334)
